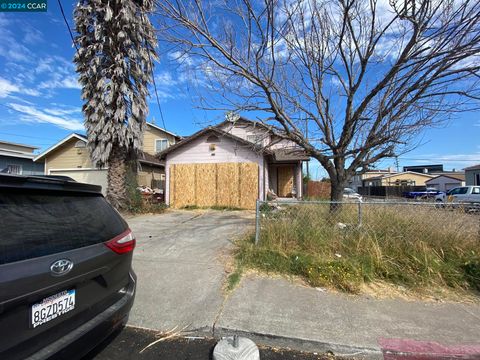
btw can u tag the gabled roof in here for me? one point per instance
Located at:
(84, 138)
(474, 167)
(273, 129)
(211, 129)
(165, 131)
(60, 143)
(458, 177)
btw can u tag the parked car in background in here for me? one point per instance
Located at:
(428, 193)
(66, 280)
(350, 194)
(469, 195)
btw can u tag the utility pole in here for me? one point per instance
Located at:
(306, 137)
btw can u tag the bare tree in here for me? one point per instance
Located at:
(114, 60)
(367, 76)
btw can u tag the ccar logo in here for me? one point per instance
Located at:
(61, 267)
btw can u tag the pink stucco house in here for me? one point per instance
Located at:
(243, 141)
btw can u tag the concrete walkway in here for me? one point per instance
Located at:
(180, 265)
(179, 261)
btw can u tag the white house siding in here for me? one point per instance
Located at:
(282, 144)
(444, 183)
(242, 130)
(299, 179)
(226, 150)
(88, 176)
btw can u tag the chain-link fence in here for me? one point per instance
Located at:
(280, 222)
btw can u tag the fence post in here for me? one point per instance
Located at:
(359, 214)
(257, 221)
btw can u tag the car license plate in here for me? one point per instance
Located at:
(52, 307)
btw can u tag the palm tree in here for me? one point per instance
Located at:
(116, 44)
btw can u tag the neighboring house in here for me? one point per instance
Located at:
(358, 180)
(70, 157)
(446, 182)
(472, 175)
(424, 169)
(232, 164)
(18, 159)
(407, 178)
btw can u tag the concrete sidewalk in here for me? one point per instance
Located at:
(287, 314)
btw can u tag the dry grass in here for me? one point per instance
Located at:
(417, 247)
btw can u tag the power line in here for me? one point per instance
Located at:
(27, 136)
(156, 92)
(153, 80)
(66, 23)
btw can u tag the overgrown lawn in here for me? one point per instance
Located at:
(417, 247)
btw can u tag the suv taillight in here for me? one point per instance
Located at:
(123, 243)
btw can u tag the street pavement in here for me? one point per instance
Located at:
(128, 344)
(180, 263)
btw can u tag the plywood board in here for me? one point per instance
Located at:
(248, 176)
(184, 185)
(285, 181)
(228, 186)
(205, 183)
(220, 184)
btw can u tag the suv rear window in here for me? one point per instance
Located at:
(39, 223)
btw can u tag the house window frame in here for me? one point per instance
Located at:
(17, 166)
(162, 140)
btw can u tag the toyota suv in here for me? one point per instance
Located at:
(66, 281)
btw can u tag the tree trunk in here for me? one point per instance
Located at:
(336, 190)
(117, 171)
(336, 194)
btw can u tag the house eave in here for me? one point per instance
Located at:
(259, 149)
(17, 155)
(60, 143)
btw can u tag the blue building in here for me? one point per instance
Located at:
(18, 159)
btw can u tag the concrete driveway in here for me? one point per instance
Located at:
(179, 261)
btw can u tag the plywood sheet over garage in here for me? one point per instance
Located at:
(89, 176)
(221, 184)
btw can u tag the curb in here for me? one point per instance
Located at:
(299, 344)
(306, 345)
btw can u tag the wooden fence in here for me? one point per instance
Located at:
(205, 185)
(318, 189)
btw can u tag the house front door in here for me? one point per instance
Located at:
(285, 181)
